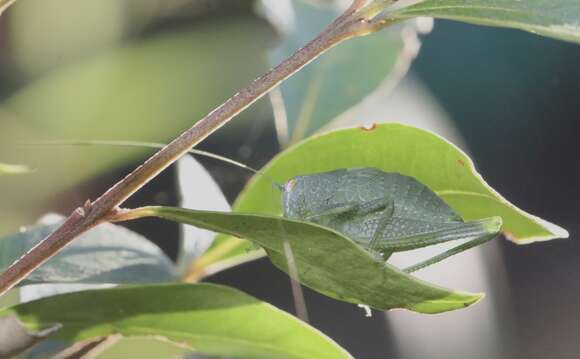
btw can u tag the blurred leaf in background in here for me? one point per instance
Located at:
(55, 39)
(106, 254)
(148, 88)
(339, 79)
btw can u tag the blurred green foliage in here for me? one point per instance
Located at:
(91, 84)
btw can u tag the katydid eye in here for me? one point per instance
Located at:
(289, 185)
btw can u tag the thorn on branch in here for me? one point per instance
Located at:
(80, 211)
(87, 206)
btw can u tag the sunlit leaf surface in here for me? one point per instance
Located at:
(337, 80)
(210, 319)
(559, 19)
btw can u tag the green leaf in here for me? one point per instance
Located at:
(338, 79)
(326, 261)
(430, 159)
(106, 254)
(147, 90)
(6, 169)
(211, 319)
(559, 19)
(393, 148)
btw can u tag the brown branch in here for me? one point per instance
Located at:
(101, 210)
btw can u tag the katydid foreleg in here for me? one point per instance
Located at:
(384, 221)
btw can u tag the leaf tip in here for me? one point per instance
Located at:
(456, 300)
(549, 232)
(555, 230)
(466, 299)
(474, 298)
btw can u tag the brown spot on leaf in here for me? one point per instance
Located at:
(510, 236)
(369, 127)
(461, 162)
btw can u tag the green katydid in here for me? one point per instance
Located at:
(384, 212)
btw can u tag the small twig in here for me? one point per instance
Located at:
(89, 349)
(140, 144)
(355, 6)
(349, 24)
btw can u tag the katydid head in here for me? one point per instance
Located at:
(305, 196)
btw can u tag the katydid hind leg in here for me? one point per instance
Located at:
(460, 231)
(451, 252)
